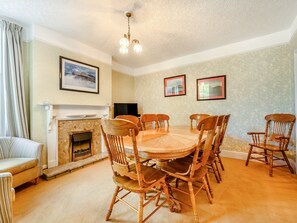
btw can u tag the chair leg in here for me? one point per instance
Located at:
(249, 156)
(36, 180)
(157, 200)
(266, 160)
(219, 174)
(271, 164)
(140, 207)
(193, 201)
(287, 161)
(215, 172)
(207, 189)
(220, 161)
(112, 203)
(176, 183)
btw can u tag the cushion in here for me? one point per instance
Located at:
(17, 165)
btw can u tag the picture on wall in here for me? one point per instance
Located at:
(78, 76)
(211, 88)
(175, 86)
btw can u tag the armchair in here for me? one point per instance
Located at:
(274, 140)
(22, 158)
(6, 197)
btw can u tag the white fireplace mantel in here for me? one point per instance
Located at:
(56, 112)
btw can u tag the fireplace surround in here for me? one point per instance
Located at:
(64, 119)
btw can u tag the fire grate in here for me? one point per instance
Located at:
(81, 146)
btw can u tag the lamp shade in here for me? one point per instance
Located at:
(124, 50)
(124, 42)
(137, 48)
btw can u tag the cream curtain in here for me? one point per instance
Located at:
(13, 117)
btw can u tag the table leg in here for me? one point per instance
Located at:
(174, 204)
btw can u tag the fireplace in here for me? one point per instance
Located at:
(66, 119)
(78, 139)
(81, 146)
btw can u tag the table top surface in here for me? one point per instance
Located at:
(165, 143)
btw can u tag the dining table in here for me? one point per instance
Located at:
(164, 143)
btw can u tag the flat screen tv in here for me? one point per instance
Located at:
(125, 109)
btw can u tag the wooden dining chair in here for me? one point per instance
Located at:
(276, 139)
(222, 136)
(195, 118)
(131, 118)
(130, 176)
(195, 170)
(149, 121)
(163, 120)
(136, 121)
(212, 159)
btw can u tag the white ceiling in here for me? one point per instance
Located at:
(167, 29)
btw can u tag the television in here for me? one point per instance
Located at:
(125, 109)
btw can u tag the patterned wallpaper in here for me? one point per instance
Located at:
(258, 83)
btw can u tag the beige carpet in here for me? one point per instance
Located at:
(246, 194)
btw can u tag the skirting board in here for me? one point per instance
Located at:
(243, 156)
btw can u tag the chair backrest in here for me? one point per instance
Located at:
(195, 118)
(130, 118)
(113, 131)
(206, 126)
(163, 120)
(149, 120)
(224, 128)
(279, 125)
(219, 134)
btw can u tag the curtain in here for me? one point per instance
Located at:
(13, 117)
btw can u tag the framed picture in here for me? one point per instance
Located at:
(211, 88)
(175, 86)
(78, 76)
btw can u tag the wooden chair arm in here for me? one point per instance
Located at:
(283, 142)
(256, 136)
(259, 133)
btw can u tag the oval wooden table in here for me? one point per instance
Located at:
(165, 143)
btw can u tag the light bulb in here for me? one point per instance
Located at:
(124, 42)
(123, 50)
(137, 48)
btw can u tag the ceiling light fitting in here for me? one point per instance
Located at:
(125, 41)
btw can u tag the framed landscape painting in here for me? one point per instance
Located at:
(175, 86)
(78, 76)
(211, 88)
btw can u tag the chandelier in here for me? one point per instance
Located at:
(126, 42)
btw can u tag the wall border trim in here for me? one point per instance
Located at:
(274, 39)
(59, 40)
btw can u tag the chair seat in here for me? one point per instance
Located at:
(149, 173)
(267, 147)
(17, 165)
(182, 165)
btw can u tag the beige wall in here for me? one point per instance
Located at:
(44, 84)
(123, 88)
(258, 83)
